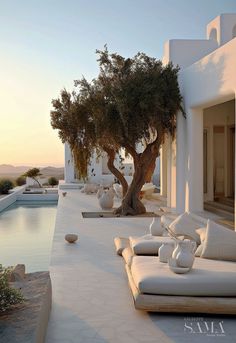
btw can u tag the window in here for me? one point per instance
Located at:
(213, 34)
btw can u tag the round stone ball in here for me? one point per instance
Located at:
(71, 237)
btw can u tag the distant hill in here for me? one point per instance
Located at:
(53, 171)
(7, 170)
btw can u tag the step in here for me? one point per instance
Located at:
(218, 211)
(70, 186)
(220, 206)
(226, 201)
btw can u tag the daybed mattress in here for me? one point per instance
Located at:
(207, 278)
(148, 245)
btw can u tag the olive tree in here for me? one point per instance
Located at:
(33, 173)
(132, 103)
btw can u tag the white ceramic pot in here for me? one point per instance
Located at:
(185, 256)
(106, 199)
(177, 248)
(155, 228)
(165, 252)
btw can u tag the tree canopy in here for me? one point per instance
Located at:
(33, 173)
(132, 102)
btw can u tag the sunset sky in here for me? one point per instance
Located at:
(47, 44)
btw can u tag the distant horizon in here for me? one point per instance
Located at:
(36, 165)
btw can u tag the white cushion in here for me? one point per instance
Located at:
(207, 278)
(186, 224)
(199, 250)
(120, 243)
(167, 219)
(220, 243)
(149, 186)
(148, 244)
(202, 233)
(90, 188)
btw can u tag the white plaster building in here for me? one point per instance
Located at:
(98, 171)
(199, 164)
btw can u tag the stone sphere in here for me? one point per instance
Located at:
(71, 237)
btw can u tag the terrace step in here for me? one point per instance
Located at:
(71, 186)
(220, 206)
(220, 209)
(225, 201)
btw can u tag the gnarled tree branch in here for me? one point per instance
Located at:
(110, 164)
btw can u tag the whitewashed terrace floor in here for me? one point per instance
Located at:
(91, 299)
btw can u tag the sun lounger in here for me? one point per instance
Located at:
(199, 303)
(210, 287)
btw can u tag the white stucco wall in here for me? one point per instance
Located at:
(207, 77)
(210, 81)
(185, 52)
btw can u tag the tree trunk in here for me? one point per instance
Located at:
(110, 164)
(131, 204)
(40, 186)
(150, 171)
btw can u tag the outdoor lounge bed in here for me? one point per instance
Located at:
(148, 301)
(210, 287)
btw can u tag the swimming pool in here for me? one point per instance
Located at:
(26, 233)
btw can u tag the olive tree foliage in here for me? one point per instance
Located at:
(33, 173)
(132, 102)
(76, 127)
(74, 117)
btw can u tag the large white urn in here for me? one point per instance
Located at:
(105, 198)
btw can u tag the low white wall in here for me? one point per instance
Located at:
(31, 182)
(11, 197)
(17, 194)
(38, 197)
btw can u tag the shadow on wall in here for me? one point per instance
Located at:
(203, 82)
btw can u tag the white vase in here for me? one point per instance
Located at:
(185, 256)
(106, 199)
(155, 228)
(165, 252)
(177, 248)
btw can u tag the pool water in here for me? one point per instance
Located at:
(26, 233)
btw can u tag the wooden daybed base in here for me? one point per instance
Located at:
(172, 303)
